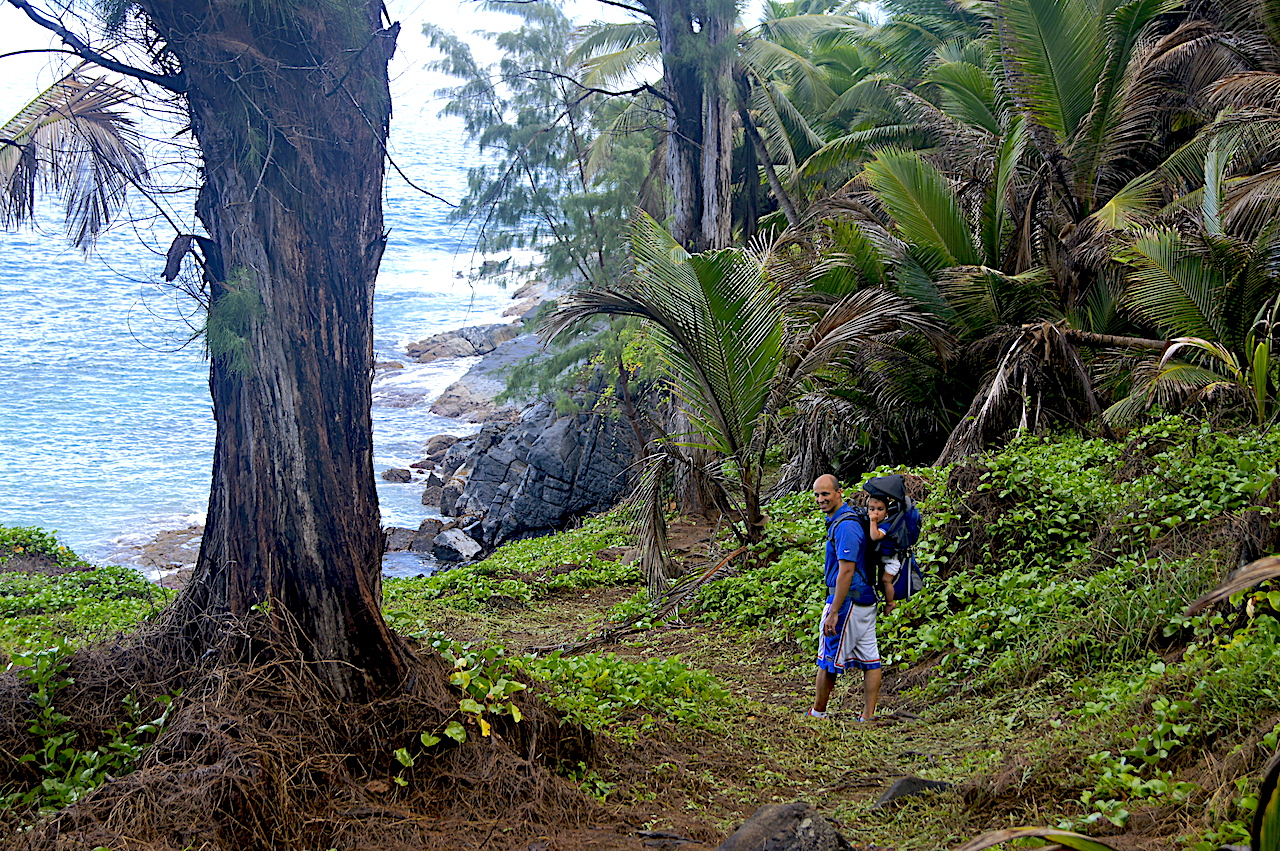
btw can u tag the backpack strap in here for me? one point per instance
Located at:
(867, 559)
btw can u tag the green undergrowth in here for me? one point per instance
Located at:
(517, 574)
(1049, 657)
(67, 767)
(26, 542)
(1058, 571)
(627, 696)
(1073, 559)
(43, 609)
(605, 693)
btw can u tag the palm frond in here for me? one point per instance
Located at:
(1252, 574)
(872, 94)
(996, 215)
(856, 146)
(807, 82)
(1170, 286)
(1058, 49)
(1244, 90)
(1032, 356)
(1251, 203)
(71, 139)
(985, 298)
(650, 523)
(788, 134)
(1134, 205)
(807, 29)
(597, 40)
(1129, 95)
(969, 94)
(719, 325)
(855, 255)
(923, 205)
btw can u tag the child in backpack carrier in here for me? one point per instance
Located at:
(885, 546)
(894, 528)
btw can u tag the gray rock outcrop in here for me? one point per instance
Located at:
(465, 342)
(471, 397)
(455, 545)
(539, 473)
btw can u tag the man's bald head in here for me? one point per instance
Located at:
(826, 492)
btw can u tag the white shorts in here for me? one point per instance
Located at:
(853, 645)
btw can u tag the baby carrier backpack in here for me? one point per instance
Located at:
(903, 525)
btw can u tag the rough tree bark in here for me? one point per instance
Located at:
(696, 37)
(290, 107)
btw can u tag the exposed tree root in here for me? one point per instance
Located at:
(258, 755)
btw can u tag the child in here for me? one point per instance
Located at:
(885, 546)
(897, 534)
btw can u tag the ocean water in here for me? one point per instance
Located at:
(106, 432)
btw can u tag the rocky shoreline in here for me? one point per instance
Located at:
(529, 470)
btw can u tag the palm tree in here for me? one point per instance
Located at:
(1214, 298)
(1031, 159)
(741, 336)
(73, 140)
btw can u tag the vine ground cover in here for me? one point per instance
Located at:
(1047, 668)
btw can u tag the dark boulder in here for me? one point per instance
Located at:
(396, 474)
(786, 827)
(438, 445)
(399, 538)
(424, 538)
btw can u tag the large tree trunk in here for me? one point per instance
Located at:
(718, 107)
(697, 59)
(290, 108)
(682, 84)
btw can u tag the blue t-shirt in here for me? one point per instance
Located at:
(847, 541)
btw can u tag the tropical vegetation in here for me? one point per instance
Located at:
(1053, 662)
(1074, 195)
(838, 238)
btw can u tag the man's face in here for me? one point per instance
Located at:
(827, 494)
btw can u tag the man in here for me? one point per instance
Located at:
(848, 636)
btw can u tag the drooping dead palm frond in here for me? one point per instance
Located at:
(651, 523)
(73, 140)
(1035, 360)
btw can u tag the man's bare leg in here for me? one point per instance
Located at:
(822, 686)
(871, 693)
